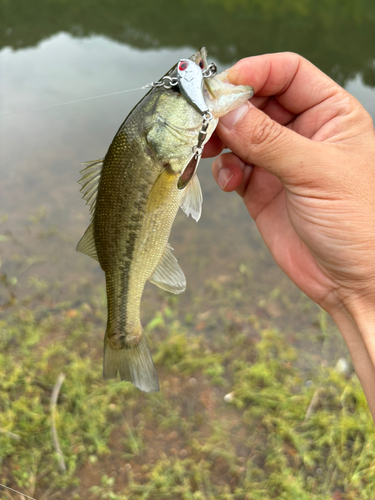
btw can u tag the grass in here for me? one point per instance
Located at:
(185, 442)
(251, 407)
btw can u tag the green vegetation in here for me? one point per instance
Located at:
(292, 426)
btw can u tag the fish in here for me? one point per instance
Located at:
(134, 194)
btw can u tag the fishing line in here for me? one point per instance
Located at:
(15, 491)
(74, 102)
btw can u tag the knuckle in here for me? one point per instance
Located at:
(350, 107)
(293, 56)
(266, 133)
(364, 118)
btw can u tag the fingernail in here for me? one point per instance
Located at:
(230, 120)
(224, 177)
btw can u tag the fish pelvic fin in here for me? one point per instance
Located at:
(134, 364)
(168, 275)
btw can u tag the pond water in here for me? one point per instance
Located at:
(53, 52)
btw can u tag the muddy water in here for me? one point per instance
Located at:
(54, 53)
(41, 153)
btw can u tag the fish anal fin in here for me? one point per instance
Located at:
(168, 275)
(87, 245)
(191, 202)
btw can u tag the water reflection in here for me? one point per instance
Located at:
(335, 35)
(55, 141)
(364, 94)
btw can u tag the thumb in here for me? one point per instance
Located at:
(259, 140)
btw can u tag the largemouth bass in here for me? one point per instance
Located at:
(134, 194)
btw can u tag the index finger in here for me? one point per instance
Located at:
(295, 82)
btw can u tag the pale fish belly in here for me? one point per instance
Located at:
(161, 209)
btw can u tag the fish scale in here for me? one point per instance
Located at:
(136, 203)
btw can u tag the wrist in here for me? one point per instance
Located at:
(362, 312)
(360, 306)
(357, 313)
(356, 322)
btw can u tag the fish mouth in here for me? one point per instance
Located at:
(200, 55)
(209, 88)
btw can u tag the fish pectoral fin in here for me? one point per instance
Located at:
(191, 202)
(87, 243)
(90, 182)
(168, 275)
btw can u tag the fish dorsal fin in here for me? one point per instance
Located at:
(87, 243)
(191, 202)
(90, 182)
(168, 275)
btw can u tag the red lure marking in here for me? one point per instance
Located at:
(182, 66)
(201, 64)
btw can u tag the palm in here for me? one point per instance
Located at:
(282, 214)
(280, 226)
(300, 216)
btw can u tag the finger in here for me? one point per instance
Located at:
(276, 111)
(255, 185)
(261, 190)
(257, 139)
(231, 173)
(312, 121)
(297, 84)
(213, 147)
(259, 101)
(273, 109)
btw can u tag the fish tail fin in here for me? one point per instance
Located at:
(134, 364)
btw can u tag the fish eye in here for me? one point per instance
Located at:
(201, 64)
(182, 66)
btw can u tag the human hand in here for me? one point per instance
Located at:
(303, 160)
